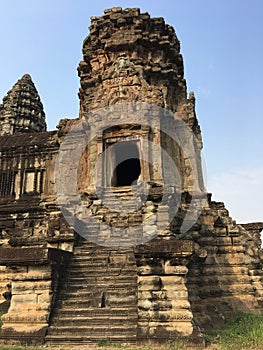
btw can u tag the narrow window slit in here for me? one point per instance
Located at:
(103, 300)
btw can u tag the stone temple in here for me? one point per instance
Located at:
(107, 232)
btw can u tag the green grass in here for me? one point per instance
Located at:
(19, 348)
(174, 345)
(1, 314)
(245, 331)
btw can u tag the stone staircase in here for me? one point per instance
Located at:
(114, 218)
(97, 298)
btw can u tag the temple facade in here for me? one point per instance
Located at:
(107, 231)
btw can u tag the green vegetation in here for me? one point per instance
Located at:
(245, 331)
(176, 344)
(172, 345)
(103, 343)
(1, 314)
(22, 348)
(19, 348)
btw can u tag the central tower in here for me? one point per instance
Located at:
(141, 169)
(134, 61)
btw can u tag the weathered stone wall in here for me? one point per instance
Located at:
(30, 223)
(146, 46)
(225, 274)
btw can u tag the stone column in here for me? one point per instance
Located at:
(163, 306)
(33, 291)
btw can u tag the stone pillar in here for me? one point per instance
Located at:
(163, 307)
(33, 291)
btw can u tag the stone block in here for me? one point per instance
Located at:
(174, 270)
(39, 270)
(20, 300)
(44, 298)
(173, 281)
(28, 287)
(144, 294)
(150, 270)
(144, 304)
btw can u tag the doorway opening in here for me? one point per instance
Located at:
(127, 166)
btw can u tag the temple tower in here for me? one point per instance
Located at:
(130, 58)
(22, 110)
(106, 230)
(144, 135)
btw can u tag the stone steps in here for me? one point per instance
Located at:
(97, 298)
(81, 339)
(88, 282)
(102, 260)
(116, 277)
(91, 275)
(117, 221)
(99, 320)
(95, 301)
(117, 198)
(87, 292)
(93, 329)
(104, 312)
(96, 270)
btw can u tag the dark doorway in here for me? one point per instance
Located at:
(127, 164)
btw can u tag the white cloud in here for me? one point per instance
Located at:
(242, 192)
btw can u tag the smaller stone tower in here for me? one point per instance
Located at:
(22, 109)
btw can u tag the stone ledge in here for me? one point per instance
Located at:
(35, 336)
(253, 226)
(32, 256)
(174, 248)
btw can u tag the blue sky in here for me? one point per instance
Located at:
(222, 46)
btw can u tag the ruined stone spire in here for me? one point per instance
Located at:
(22, 109)
(130, 56)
